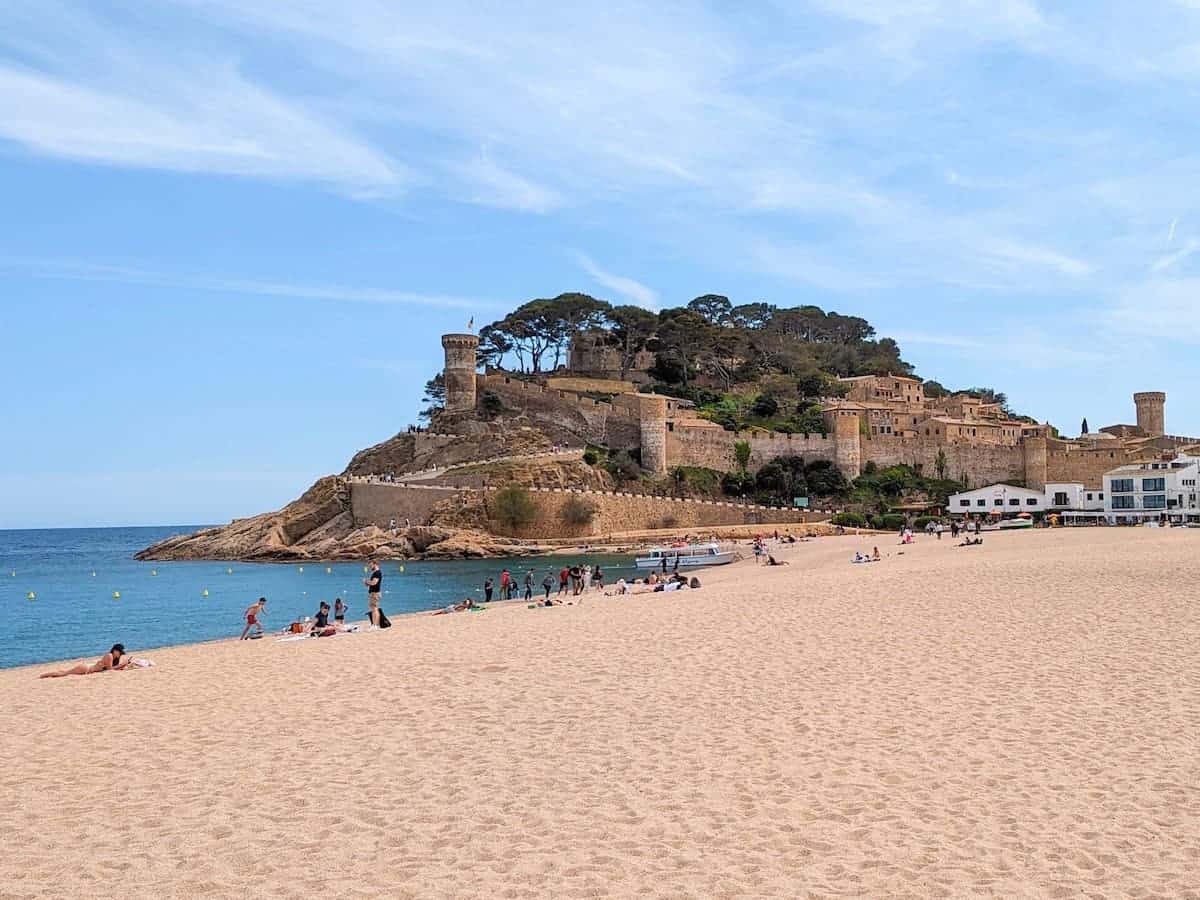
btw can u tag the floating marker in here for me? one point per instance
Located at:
(116, 595)
(13, 573)
(204, 593)
(328, 571)
(154, 571)
(31, 596)
(302, 568)
(93, 574)
(229, 571)
(402, 570)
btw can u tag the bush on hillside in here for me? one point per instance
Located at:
(513, 507)
(577, 511)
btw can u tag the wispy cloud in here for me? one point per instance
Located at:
(198, 118)
(1167, 261)
(1028, 255)
(71, 271)
(1165, 309)
(626, 287)
(489, 184)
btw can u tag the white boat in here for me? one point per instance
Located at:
(1009, 525)
(686, 555)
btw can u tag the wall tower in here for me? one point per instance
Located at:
(847, 446)
(459, 371)
(1036, 452)
(1150, 416)
(652, 413)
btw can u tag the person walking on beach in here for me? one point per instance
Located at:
(374, 584)
(339, 611)
(487, 589)
(505, 584)
(563, 577)
(529, 585)
(598, 578)
(253, 611)
(548, 584)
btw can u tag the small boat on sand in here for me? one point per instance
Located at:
(686, 555)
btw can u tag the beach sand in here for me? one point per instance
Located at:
(1016, 720)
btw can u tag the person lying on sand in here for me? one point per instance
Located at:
(114, 660)
(466, 604)
(772, 561)
(971, 542)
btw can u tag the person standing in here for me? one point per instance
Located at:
(598, 578)
(253, 611)
(505, 584)
(487, 589)
(548, 584)
(563, 577)
(585, 575)
(339, 611)
(529, 585)
(374, 584)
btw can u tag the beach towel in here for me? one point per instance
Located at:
(140, 662)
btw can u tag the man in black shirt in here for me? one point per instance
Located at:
(374, 582)
(321, 619)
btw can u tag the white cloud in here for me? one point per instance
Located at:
(69, 271)
(204, 119)
(1165, 262)
(800, 264)
(492, 185)
(628, 288)
(1029, 255)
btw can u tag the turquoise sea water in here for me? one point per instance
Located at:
(73, 574)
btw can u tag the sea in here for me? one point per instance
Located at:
(74, 592)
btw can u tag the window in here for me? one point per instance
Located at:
(1060, 498)
(1121, 486)
(981, 503)
(1122, 503)
(1155, 501)
(997, 502)
(1015, 501)
(1089, 496)
(1031, 501)
(1154, 484)
(964, 502)
(1100, 496)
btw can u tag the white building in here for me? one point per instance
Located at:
(1069, 497)
(1153, 491)
(1001, 499)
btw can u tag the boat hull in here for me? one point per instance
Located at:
(685, 561)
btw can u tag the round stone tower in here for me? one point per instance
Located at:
(652, 411)
(459, 372)
(1150, 416)
(847, 447)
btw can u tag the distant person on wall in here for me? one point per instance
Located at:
(253, 612)
(374, 585)
(487, 589)
(529, 585)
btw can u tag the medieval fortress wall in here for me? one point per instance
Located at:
(885, 420)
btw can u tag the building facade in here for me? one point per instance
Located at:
(1156, 491)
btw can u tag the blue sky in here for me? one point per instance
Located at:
(233, 229)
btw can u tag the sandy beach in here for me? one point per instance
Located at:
(1015, 720)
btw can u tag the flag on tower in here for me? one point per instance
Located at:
(471, 324)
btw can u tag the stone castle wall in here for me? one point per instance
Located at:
(982, 465)
(583, 385)
(593, 420)
(618, 512)
(712, 448)
(378, 504)
(1085, 466)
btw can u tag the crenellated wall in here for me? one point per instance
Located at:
(378, 504)
(712, 447)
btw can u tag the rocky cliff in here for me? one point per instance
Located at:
(319, 524)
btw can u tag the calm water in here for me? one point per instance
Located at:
(74, 573)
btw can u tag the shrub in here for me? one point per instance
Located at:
(622, 466)
(490, 404)
(850, 520)
(591, 456)
(891, 521)
(577, 511)
(764, 407)
(513, 507)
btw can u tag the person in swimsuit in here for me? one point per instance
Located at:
(339, 611)
(253, 611)
(114, 660)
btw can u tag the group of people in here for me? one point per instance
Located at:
(320, 624)
(574, 580)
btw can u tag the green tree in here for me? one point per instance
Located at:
(939, 464)
(1083, 429)
(715, 308)
(512, 507)
(741, 454)
(435, 396)
(632, 329)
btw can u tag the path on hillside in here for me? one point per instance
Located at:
(407, 478)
